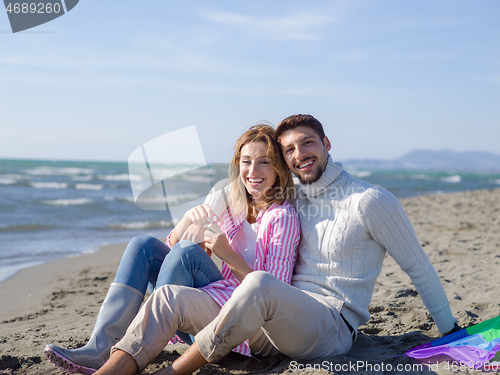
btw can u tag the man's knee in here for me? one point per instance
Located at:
(259, 282)
(262, 278)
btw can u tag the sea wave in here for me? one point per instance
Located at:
(161, 173)
(11, 178)
(422, 177)
(68, 202)
(141, 225)
(455, 179)
(181, 198)
(172, 199)
(15, 176)
(58, 171)
(7, 181)
(202, 179)
(88, 186)
(120, 177)
(24, 228)
(49, 185)
(82, 178)
(360, 174)
(126, 199)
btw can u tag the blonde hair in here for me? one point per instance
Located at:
(282, 189)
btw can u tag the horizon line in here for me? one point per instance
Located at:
(75, 160)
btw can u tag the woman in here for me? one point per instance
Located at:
(260, 231)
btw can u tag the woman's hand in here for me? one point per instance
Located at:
(195, 233)
(198, 216)
(201, 215)
(216, 241)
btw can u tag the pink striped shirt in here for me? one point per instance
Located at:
(278, 237)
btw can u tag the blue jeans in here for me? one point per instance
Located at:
(148, 262)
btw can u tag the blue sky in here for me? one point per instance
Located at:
(384, 77)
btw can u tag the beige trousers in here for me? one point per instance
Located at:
(274, 316)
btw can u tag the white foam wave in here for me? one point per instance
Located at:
(68, 202)
(172, 199)
(58, 171)
(455, 179)
(422, 177)
(88, 186)
(82, 178)
(120, 177)
(7, 181)
(202, 179)
(160, 173)
(49, 185)
(181, 198)
(142, 225)
(497, 182)
(360, 174)
(14, 176)
(149, 199)
(11, 178)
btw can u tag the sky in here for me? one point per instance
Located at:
(384, 77)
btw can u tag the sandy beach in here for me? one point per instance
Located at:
(58, 301)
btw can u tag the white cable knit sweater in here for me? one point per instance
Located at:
(347, 227)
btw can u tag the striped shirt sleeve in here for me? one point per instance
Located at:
(282, 235)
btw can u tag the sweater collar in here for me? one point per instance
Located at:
(330, 174)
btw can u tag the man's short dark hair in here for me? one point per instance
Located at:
(294, 121)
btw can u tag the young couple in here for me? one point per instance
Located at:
(346, 227)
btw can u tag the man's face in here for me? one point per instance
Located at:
(305, 153)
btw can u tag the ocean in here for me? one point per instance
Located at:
(56, 209)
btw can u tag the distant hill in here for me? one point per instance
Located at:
(432, 160)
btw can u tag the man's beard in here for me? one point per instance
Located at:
(311, 179)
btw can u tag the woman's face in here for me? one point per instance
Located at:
(256, 170)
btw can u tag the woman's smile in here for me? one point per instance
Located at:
(256, 170)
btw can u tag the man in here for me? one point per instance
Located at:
(347, 227)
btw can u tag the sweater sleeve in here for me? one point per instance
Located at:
(283, 243)
(384, 218)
